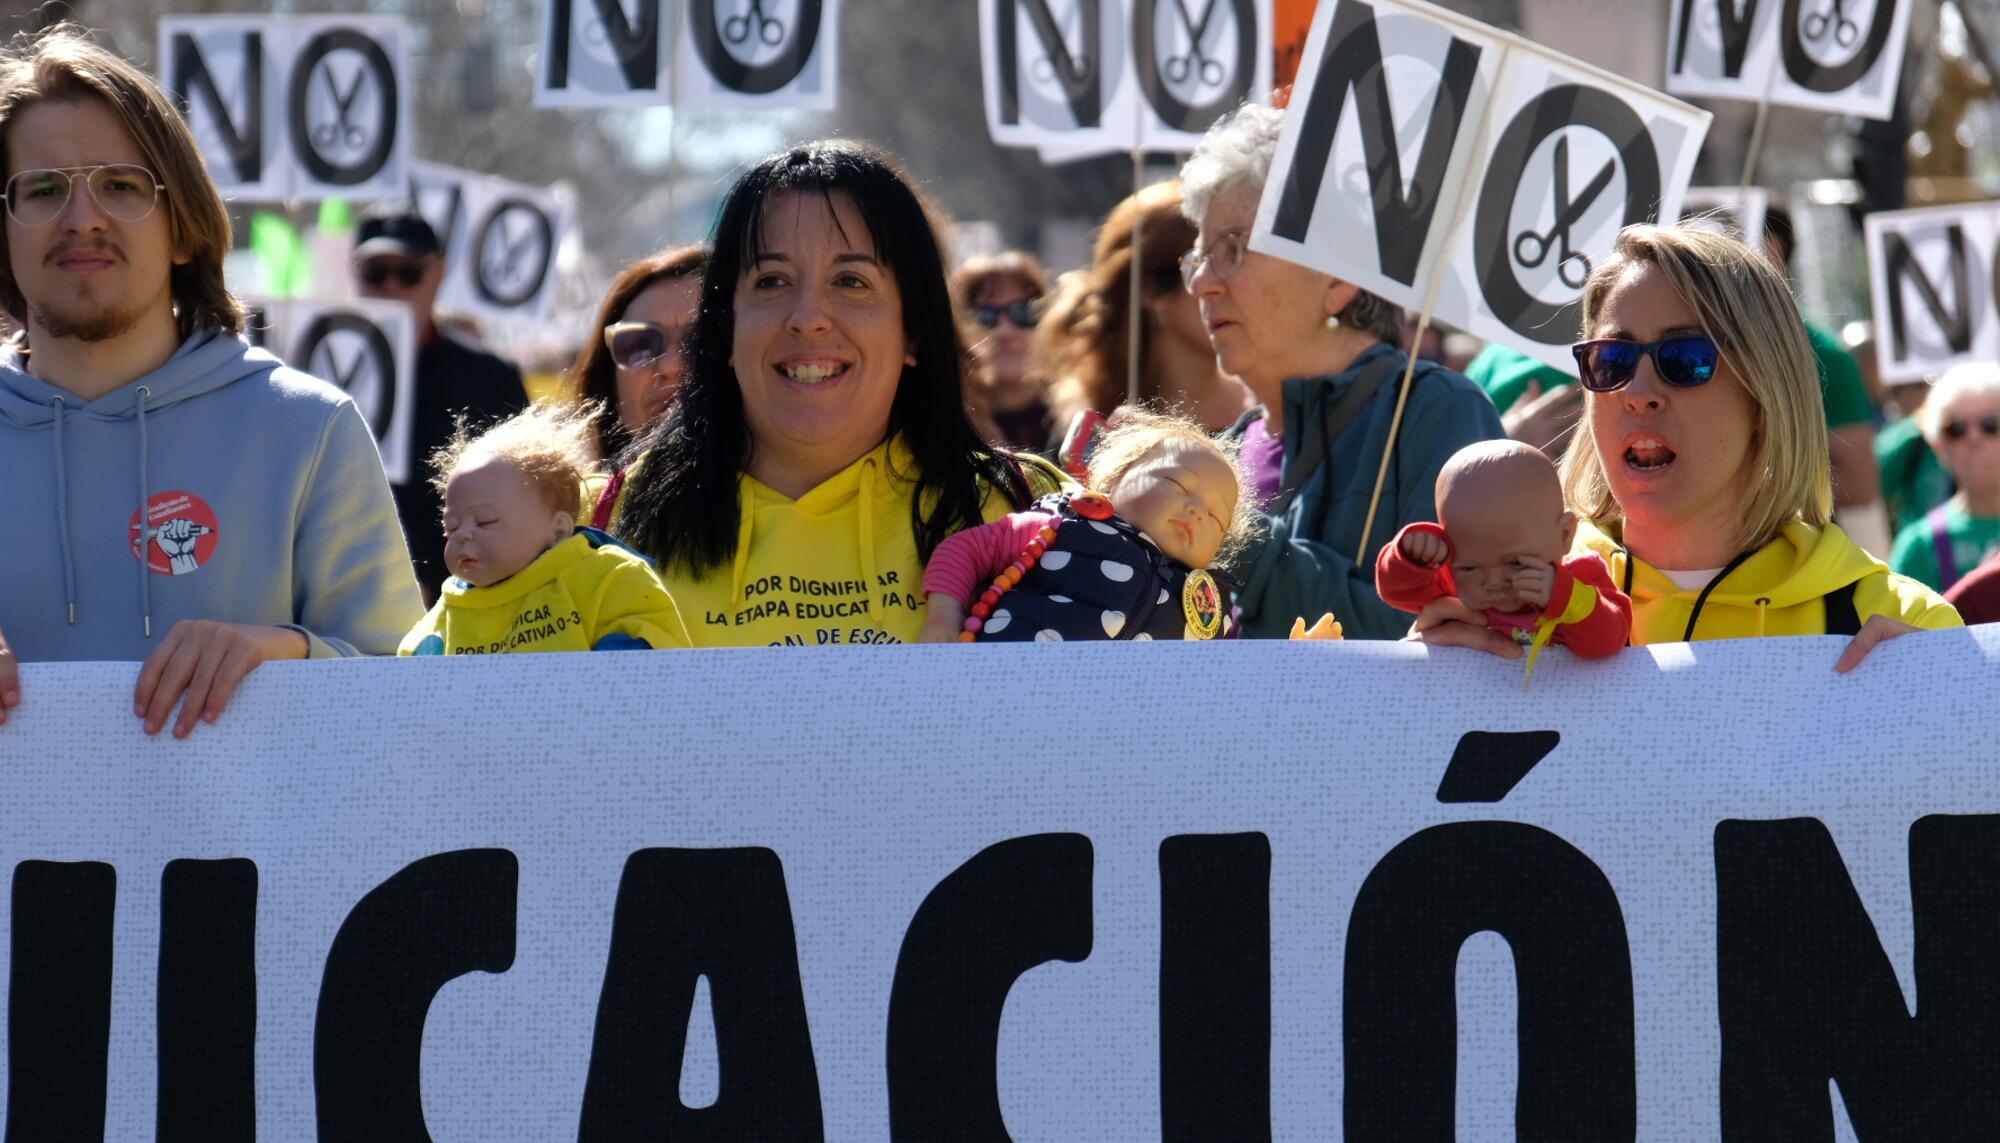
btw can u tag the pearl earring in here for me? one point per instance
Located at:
(1333, 321)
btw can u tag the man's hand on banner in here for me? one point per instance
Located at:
(10, 680)
(1878, 629)
(205, 660)
(1447, 622)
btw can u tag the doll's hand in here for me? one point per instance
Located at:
(1534, 580)
(947, 619)
(1327, 627)
(1426, 548)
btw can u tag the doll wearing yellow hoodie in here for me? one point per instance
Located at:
(524, 577)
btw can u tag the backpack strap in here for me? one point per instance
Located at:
(1841, 617)
(1941, 544)
(600, 517)
(1334, 420)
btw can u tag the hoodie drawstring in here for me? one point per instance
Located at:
(145, 519)
(1763, 606)
(867, 514)
(62, 513)
(740, 566)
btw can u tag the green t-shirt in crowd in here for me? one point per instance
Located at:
(1504, 373)
(1913, 482)
(1970, 538)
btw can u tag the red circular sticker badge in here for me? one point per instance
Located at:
(180, 535)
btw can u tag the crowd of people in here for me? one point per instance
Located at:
(813, 431)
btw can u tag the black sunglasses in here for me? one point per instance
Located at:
(406, 273)
(1607, 364)
(1022, 313)
(1988, 424)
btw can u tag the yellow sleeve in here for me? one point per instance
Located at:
(633, 604)
(1900, 597)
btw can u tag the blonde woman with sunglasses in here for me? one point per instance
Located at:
(1701, 466)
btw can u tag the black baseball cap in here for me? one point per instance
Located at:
(394, 228)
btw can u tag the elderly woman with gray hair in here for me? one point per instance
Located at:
(1321, 356)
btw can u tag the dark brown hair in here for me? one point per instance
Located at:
(61, 65)
(593, 377)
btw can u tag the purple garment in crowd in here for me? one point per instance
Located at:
(1263, 458)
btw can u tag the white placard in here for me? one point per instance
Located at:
(1074, 78)
(605, 53)
(1843, 57)
(288, 107)
(759, 53)
(1735, 211)
(1419, 139)
(694, 54)
(500, 239)
(1931, 286)
(406, 897)
(367, 348)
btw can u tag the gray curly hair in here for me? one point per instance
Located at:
(1237, 151)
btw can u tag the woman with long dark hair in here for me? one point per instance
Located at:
(634, 362)
(819, 449)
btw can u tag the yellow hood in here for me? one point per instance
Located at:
(1778, 590)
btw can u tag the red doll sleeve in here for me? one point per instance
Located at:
(1405, 584)
(1592, 628)
(968, 560)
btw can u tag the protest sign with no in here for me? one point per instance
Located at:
(1932, 285)
(500, 239)
(294, 106)
(1426, 156)
(1078, 77)
(1843, 57)
(383, 898)
(689, 53)
(366, 348)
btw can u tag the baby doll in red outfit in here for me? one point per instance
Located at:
(1501, 545)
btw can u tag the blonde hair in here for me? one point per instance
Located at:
(61, 65)
(1967, 379)
(1745, 307)
(550, 443)
(1136, 432)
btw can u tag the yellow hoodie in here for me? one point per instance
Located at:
(1779, 590)
(588, 593)
(838, 565)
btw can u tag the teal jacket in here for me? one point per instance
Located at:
(1302, 562)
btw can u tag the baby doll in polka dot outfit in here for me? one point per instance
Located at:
(1126, 560)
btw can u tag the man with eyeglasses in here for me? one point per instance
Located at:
(175, 496)
(398, 258)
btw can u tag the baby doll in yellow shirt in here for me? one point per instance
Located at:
(525, 577)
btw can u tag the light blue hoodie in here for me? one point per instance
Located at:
(268, 506)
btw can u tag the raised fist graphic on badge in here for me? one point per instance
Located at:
(177, 539)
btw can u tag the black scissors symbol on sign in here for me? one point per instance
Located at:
(1532, 249)
(1195, 62)
(327, 134)
(1834, 19)
(770, 29)
(507, 266)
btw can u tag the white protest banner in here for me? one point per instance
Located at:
(294, 106)
(1843, 57)
(1735, 211)
(1427, 156)
(367, 348)
(1932, 286)
(689, 53)
(1074, 78)
(500, 239)
(605, 53)
(1360, 892)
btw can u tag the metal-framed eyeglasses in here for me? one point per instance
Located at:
(1225, 255)
(125, 191)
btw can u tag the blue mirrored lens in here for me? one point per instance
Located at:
(1686, 361)
(1613, 364)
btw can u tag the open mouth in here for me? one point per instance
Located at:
(813, 372)
(1648, 454)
